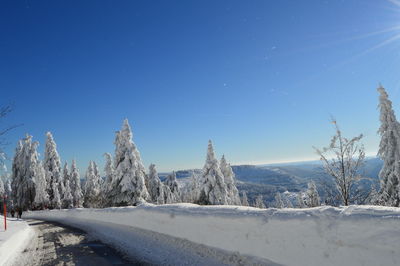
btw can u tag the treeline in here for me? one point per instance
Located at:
(36, 184)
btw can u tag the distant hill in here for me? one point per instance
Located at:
(269, 179)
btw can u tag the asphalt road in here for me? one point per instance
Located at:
(56, 244)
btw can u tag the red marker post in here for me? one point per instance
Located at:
(5, 213)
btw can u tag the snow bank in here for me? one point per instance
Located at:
(14, 240)
(355, 235)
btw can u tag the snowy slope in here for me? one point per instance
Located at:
(14, 240)
(355, 235)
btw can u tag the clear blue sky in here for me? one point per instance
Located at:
(259, 78)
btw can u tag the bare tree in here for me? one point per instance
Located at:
(342, 159)
(4, 111)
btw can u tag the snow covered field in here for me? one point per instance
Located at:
(14, 240)
(354, 235)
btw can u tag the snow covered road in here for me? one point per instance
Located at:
(55, 244)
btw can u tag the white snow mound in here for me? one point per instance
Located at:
(354, 235)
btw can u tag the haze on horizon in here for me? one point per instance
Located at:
(260, 80)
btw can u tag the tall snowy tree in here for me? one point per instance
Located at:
(389, 152)
(109, 177)
(52, 167)
(56, 196)
(65, 178)
(259, 203)
(312, 195)
(76, 186)
(229, 179)
(65, 173)
(194, 189)
(213, 189)
(245, 201)
(2, 189)
(68, 199)
(24, 172)
(129, 178)
(172, 183)
(92, 187)
(41, 196)
(155, 186)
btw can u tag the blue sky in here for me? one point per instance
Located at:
(259, 78)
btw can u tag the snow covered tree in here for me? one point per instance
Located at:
(2, 189)
(128, 187)
(41, 197)
(194, 189)
(92, 187)
(245, 201)
(75, 184)
(278, 201)
(213, 189)
(8, 191)
(52, 167)
(168, 196)
(172, 183)
(259, 203)
(24, 172)
(347, 158)
(68, 199)
(389, 152)
(65, 175)
(56, 196)
(300, 200)
(155, 186)
(109, 176)
(63, 188)
(229, 179)
(312, 195)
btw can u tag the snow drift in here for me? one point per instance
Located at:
(14, 240)
(354, 235)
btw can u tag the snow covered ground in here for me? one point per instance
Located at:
(354, 235)
(14, 240)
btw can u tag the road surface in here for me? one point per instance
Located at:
(56, 244)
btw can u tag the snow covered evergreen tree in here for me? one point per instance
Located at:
(65, 175)
(229, 179)
(24, 172)
(2, 189)
(259, 203)
(194, 189)
(389, 152)
(41, 197)
(52, 167)
(172, 183)
(128, 187)
(92, 187)
(312, 195)
(63, 188)
(300, 200)
(75, 184)
(278, 201)
(68, 199)
(155, 186)
(245, 201)
(56, 202)
(213, 189)
(109, 177)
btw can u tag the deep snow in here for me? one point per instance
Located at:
(14, 240)
(354, 235)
